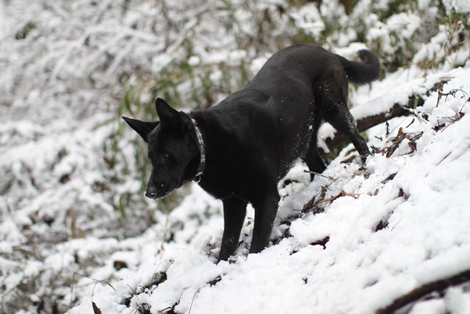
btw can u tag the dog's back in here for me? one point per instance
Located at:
(274, 119)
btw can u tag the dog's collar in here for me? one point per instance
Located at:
(202, 152)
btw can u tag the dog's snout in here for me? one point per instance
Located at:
(151, 192)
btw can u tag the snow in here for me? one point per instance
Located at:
(308, 18)
(76, 230)
(359, 270)
(459, 6)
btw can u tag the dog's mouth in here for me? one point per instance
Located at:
(160, 190)
(154, 193)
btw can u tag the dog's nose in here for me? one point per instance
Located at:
(151, 193)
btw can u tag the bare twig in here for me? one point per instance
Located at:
(93, 290)
(194, 297)
(444, 158)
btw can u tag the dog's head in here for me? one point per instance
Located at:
(172, 149)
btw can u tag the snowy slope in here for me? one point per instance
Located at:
(382, 230)
(77, 235)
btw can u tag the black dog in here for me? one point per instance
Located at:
(240, 149)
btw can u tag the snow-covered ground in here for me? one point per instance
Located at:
(77, 235)
(376, 233)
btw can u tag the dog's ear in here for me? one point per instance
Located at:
(141, 127)
(165, 112)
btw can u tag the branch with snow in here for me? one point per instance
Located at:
(420, 292)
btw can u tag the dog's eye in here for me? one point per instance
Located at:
(166, 155)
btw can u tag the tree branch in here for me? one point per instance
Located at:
(420, 292)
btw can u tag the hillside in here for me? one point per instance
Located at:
(78, 235)
(373, 234)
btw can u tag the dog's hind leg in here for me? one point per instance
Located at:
(265, 213)
(234, 215)
(314, 161)
(312, 158)
(334, 107)
(344, 122)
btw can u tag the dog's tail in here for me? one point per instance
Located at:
(362, 72)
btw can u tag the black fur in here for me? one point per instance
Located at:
(252, 138)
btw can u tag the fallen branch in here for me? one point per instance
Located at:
(396, 141)
(422, 291)
(318, 206)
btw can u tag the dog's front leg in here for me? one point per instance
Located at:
(234, 215)
(265, 213)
